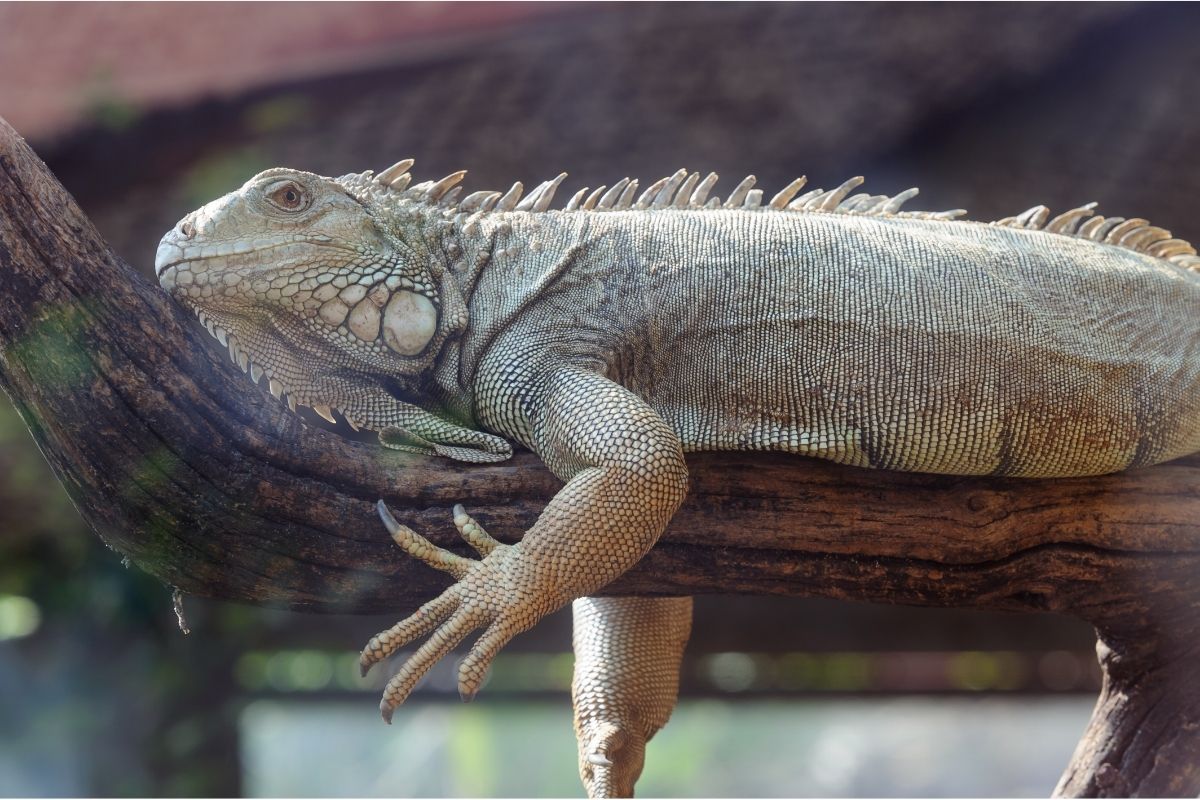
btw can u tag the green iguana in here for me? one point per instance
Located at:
(614, 335)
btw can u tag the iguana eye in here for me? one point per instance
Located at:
(289, 196)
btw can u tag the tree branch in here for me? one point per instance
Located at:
(214, 487)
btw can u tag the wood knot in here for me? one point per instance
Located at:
(977, 503)
(1107, 776)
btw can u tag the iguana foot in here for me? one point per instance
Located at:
(499, 593)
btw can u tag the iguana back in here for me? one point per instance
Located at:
(921, 345)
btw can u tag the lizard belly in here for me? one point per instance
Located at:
(923, 408)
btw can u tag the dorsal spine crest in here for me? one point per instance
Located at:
(684, 190)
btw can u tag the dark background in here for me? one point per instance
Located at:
(146, 111)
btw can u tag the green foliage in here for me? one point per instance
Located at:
(278, 113)
(105, 104)
(219, 174)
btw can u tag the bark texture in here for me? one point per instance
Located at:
(214, 487)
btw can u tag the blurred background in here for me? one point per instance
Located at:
(145, 111)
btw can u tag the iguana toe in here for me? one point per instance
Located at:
(497, 593)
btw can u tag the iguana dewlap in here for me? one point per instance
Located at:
(614, 335)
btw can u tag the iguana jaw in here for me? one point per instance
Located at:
(363, 403)
(256, 361)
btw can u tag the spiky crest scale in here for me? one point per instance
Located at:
(684, 190)
(1132, 234)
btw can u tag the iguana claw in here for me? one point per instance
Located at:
(613, 762)
(487, 595)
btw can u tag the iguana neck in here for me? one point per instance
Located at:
(517, 272)
(443, 249)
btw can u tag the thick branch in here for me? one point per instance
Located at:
(210, 484)
(1144, 736)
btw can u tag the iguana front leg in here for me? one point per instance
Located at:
(627, 655)
(625, 477)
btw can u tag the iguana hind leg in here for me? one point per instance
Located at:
(627, 656)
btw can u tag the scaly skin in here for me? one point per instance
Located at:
(614, 335)
(627, 655)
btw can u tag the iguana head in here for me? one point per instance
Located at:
(334, 289)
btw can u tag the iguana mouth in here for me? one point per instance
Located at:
(171, 254)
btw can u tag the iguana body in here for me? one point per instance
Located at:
(918, 345)
(613, 336)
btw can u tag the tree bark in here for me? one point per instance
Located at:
(210, 484)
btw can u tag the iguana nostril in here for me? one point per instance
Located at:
(187, 229)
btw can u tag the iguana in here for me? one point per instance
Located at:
(616, 334)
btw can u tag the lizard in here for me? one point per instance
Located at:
(616, 334)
